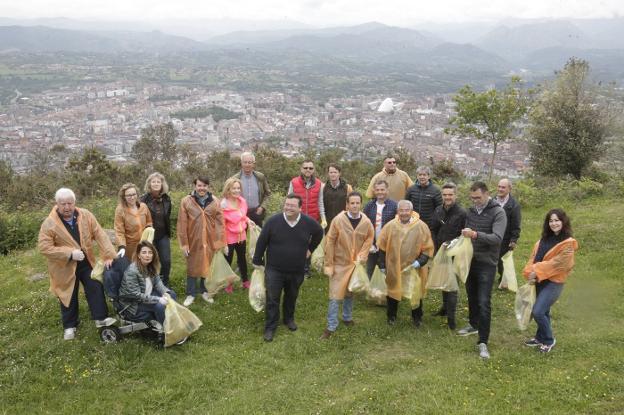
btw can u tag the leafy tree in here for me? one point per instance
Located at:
(568, 124)
(91, 174)
(6, 178)
(489, 115)
(157, 143)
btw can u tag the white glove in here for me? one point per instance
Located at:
(383, 270)
(226, 250)
(121, 253)
(163, 300)
(77, 255)
(258, 267)
(373, 249)
(416, 264)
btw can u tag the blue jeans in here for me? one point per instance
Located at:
(151, 311)
(332, 312)
(479, 289)
(547, 294)
(163, 247)
(191, 286)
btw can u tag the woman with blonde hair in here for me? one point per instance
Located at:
(234, 209)
(131, 219)
(157, 200)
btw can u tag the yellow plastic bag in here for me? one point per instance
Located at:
(411, 285)
(148, 235)
(508, 280)
(253, 233)
(378, 290)
(442, 273)
(359, 283)
(180, 322)
(257, 290)
(525, 299)
(318, 256)
(97, 273)
(460, 249)
(221, 274)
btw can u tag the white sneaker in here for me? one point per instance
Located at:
(69, 334)
(207, 298)
(108, 321)
(483, 351)
(156, 325)
(188, 300)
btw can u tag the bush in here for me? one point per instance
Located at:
(19, 230)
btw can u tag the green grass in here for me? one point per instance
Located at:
(368, 368)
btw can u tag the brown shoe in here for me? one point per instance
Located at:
(349, 323)
(326, 334)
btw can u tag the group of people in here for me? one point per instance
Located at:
(401, 227)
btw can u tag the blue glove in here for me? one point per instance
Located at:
(416, 264)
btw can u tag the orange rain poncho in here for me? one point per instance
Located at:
(202, 231)
(557, 263)
(342, 247)
(403, 244)
(129, 226)
(56, 244)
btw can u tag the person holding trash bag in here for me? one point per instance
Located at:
(201, 233)
(405, 242)
(379, 211)
(131, 219)
(157, 200)
(141, 290)
(514, 219)
(288, 238)
(66, 240)
(485, 225)
(548, 267)
(234, 209)
(446, 225)
(349, 239)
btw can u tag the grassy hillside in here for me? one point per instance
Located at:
(369, 368)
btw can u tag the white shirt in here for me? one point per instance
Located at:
(292, 224)
(148, 286)
(378, 218)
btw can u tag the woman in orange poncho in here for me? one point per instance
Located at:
(349, 239)
(405, 242)
(550, 264)
(131, 219)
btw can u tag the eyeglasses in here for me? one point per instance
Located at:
(130, 196)
(308, 168)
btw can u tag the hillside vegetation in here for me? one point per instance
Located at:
(369, 368)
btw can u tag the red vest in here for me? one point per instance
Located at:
(309, 205)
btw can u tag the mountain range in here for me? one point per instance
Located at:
(537, 46)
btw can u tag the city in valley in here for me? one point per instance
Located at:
(110, 117)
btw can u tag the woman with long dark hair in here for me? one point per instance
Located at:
(141, 290)
(550, 264)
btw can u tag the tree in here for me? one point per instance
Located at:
(489, 115)
(91, 174)
(567, 124)
(157, 143)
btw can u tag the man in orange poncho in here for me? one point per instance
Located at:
(201, 233)
(405, 242)
(349, 239)
(66, 239)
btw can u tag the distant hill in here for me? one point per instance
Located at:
(516, 42)
(46, 39)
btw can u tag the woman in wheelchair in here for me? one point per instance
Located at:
(142, 292)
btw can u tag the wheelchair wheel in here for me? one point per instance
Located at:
(110, 334)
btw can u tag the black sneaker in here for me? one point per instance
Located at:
(532, 342)
(391, 321)
(268, 335)
(467, 331)
(440, 313)
(546, 348)
(416, 322)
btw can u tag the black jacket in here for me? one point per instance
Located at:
(490, 226)
(514, 218)
(446, 225)
(151, 205)
(425, 200)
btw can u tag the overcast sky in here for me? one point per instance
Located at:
(313, 12)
